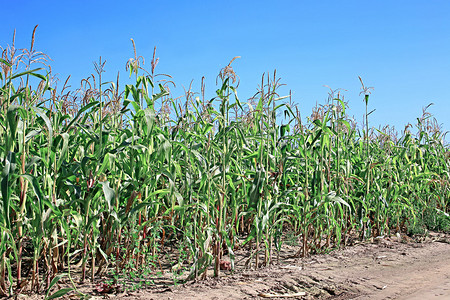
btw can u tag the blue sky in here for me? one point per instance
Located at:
(402, 48)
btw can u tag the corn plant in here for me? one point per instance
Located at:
(105, 180)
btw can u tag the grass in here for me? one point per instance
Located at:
(103, 179)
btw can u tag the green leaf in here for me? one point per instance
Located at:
(65, 148)
(7, 174)
(31, 72)
(5, 62)
(59, 293)
(36, 188)
(93, 104)
(48, 123)
(52, 283)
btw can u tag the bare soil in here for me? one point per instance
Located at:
(388, 268)
(396, 267)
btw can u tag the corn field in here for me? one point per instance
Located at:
(105, 178)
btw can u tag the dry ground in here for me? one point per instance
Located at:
(387, 268)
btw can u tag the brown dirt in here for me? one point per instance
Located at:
(387, 268)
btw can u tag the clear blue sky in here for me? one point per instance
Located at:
(402, 48)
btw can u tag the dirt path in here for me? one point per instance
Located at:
(385, 269)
